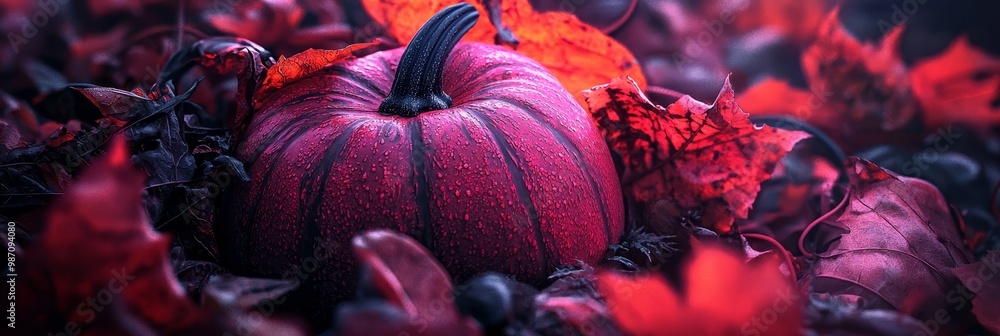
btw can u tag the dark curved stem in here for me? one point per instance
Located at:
(417, 87)
(778, 248)
(805, 232)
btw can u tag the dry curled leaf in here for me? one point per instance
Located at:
(891, 245)
(579, 55)
(699, 156)
(415, 292)
(289, 70)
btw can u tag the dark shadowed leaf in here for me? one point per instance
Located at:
(98, 234)
(983, 279)
(892, 245)
(406, 276)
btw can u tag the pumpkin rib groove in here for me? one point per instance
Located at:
(299, 121)
(466, 132)
(520, 186)
(310, 220)
(461, 92)
(352, 77)
(418, 159)
(577, 158)
(270, 139)
(365, 96)
(387, 69)
(258, 192)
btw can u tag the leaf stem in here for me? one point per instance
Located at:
(778, 249)
(805, 232)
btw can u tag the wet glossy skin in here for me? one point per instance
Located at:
(512, 178)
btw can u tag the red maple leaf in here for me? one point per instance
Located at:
(698, 156)
(858, 91)
(959, 86)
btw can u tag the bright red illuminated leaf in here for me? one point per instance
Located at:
(961, 85)
(289, 70)
(696, 155)
(857, 91)
(722, 293)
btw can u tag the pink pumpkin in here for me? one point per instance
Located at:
(482, 156)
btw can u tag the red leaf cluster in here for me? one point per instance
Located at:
(698, 156)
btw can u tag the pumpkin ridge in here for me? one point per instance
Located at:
(354, 78)
(292, 137)
(258, 192)
(470, 94)
(577, 158)
(520, 185)
(386, 67)
(301, 121)
(422, 186)
(310, 220)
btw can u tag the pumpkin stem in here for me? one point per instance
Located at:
(417, 87)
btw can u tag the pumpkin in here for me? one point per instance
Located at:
(474, 150)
